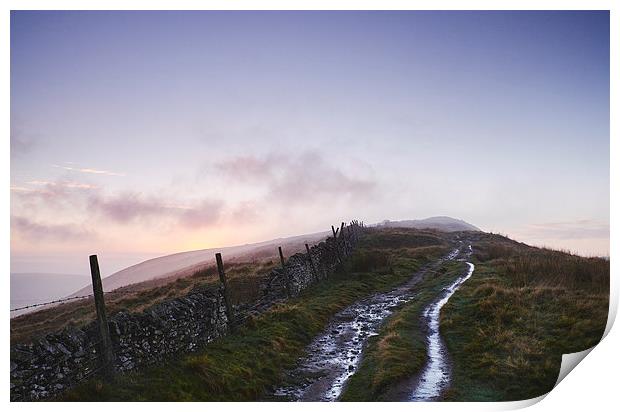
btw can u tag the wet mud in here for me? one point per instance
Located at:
(334, 356)
(435, 377)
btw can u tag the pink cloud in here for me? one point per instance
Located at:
(297, 178)
(206, 213)
(89, 170)
(126, 206)
(251, 168)
(41, 193)
(39, 231)
(129, 206)
(245, 212)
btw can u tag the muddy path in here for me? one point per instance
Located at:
(435, 377)
(334, 356)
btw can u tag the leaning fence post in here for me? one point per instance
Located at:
(227, 302)
(344, 246)
(289, 287)
(314, 273)
(106, 354)
(338, 252)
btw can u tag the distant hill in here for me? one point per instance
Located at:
(443, 223)
(31, 288)
(186, 263)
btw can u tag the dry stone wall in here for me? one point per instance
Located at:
(52, 364)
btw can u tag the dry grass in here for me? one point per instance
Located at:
(508, 326)
(549, 268)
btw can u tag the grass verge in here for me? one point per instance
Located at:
(507, 327)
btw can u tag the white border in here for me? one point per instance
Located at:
(590, 386)
(310, 5)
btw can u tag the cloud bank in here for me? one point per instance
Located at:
(303, 177)
(58, 232)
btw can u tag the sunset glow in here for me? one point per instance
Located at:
(138, 134)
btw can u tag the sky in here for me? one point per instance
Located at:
(138, 134)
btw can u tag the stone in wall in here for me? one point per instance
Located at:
(61, 360)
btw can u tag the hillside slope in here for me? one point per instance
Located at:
(186, 263)
(443, 223)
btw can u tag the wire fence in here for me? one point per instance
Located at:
(35, 305)
(127, 292)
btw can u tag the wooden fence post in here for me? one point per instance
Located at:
(289, 286)
(335, 232)
(224, 281)
(344, 246)
(314, 273)
(281, 256)
(106, 355)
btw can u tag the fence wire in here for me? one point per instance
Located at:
(121, 292)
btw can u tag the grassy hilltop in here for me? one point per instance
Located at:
(505, 328)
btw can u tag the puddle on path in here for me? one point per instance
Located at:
(436, 374)
(334, 356)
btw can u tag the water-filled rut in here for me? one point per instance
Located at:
(435, 377)
(334, 356)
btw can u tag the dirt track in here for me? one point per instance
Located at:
(334, 356)
(435, 377)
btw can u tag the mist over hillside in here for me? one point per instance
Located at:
(186, 263)
(443, 223)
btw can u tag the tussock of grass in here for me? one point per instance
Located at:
(508, 325)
